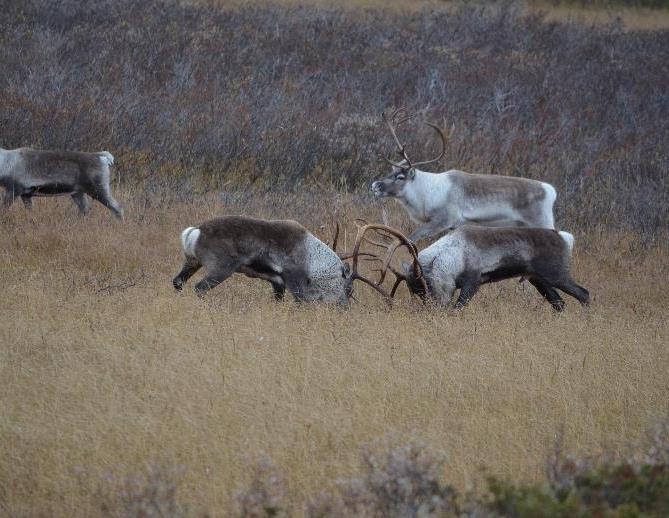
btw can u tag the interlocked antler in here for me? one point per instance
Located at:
(398, 240)
(336, 237)
(399, 117)
(344, 255)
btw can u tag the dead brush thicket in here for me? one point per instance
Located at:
(273, 96)
(105, 369)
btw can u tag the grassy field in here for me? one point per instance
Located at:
(631, 17)
(233, 107)
(105, 369)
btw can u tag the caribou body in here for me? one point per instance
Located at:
(472, 255)
(282, 252)
(439, 202)
(28, 172)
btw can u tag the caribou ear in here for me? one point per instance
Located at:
(346, 271)
(407, 267)
(411, 174)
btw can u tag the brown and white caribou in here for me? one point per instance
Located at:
(27, 172)
(441, 201)
(281, 252)
(470, 256)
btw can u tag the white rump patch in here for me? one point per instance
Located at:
(569, 239)
(189, 239)
(551, 194)
(106, 157)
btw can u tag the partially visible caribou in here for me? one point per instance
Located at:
(439, 202)
(470, 256)
(28, 172)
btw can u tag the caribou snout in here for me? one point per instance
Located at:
(377, 189)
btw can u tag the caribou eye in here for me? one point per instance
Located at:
(400, 176)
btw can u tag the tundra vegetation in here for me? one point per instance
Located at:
(273, 111)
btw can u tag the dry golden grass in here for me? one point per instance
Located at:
(99, 380)
(632, 18)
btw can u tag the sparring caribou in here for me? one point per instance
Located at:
(28, 172)
(473, 255)
(443, 201)
(282, 252)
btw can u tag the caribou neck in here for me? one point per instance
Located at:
(421, 195)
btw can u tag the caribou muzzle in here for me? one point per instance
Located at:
(379, 189)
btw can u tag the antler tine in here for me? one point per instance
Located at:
(406, 118)
(443, 145)
(391, 126)
(411, 247)
(373, 285)
(344, 257)
(355, 256)
(395, 114)
(356, 247)
(399, 241)
(389, 257)
(396, 164)
(336, 237)
(399, 277)
(376, 243)
(360, 222)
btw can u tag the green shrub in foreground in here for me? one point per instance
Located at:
(616, 490)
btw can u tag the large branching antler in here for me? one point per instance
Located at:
(442, 137)
(344, 255)
(397, 241)
(399, 117)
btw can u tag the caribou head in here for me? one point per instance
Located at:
(404, 170)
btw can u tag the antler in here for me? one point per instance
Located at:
(442, 137)
(343, 255)
(336, 237)
(391, 122)
(399, 117)
(398, 241)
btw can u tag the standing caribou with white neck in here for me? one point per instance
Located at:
(27, 172)
(439, 202)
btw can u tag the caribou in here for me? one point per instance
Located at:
(437, 202)
(282, 252)
(470, 256)
(28, 172)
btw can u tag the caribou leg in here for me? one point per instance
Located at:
(27, 200)
(467, 291)
(191, 265)
(103, 195)
(79, 199)
(548, 293)
(217, 275)
(279, 290)
(571, 288)
(8, 199)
